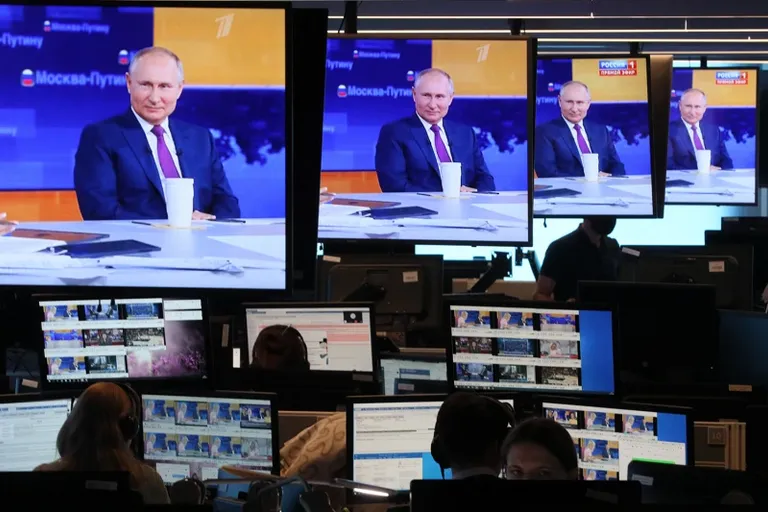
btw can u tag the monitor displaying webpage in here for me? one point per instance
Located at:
(391, 443)
(410, 369)
(509, 348)
(28, 432)
(606, 440)
(106, 339)
(192, 437)
(337, 339)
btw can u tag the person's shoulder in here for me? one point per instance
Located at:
(568, 240)
(56, 465)
(108, 125)
(552, 124)
(397, 124)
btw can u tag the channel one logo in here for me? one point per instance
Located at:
(617, 67)
(731, 78)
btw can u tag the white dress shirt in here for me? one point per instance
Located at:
(431, 135)
(689, 129)
(152, 139)
(572, 127)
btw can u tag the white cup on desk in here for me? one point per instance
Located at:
(703, 160)
(179, 201)
(591, 163)
(450, 176)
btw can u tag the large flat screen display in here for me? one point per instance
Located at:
(593, 139)
(115, 119)
(427, 140)
(712, 145)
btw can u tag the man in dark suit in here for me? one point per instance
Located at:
(409, 151)
(560, 143)
(690, 133)
(122, 163)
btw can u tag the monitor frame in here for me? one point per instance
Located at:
(651, 137)
(223, 394)
(483, 302)
(756, 70)
(382, 244)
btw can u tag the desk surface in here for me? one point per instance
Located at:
(633, 192)
(718, 187)
(178, 243)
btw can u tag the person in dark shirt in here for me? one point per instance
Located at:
(586, 254)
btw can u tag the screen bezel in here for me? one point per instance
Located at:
(651, 135)
(756, 70)
(122, 293)
(223, 394)
(531, 107)
(245, 356)
(287, 8)
(483, 302)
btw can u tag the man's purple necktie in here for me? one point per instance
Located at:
(697, 144)
(583, 146)
(442, 151)
(164, 155)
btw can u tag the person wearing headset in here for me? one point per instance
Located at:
(280, 347)
(97, 436)
(469, 432)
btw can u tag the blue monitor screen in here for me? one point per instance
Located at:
(133, 153)
(711, 149)
(385, 171)
(508, 348)
(593, 140)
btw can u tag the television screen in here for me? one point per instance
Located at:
(120, 125)
(593, 138)
(427, 140)
(711, 150)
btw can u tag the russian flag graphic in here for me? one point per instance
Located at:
(355, 54)
(122, 57)
(27, 78)
(46, 26)
(410, 76)
(341, 91)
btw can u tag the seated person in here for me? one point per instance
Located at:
(469, 432)
(540, 449)
(586, 254)
(560, 143)
(122, 164)
(691, 132)
(280, 347)
(409, 151)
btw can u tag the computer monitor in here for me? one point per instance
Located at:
(192, 436)
(30, 424)
(512, 345)
(157, 338)
(743, 343)
(608, 436)
(605, 167)
(757, 240)
(338, 337)
(411, 367)
(81, 151)
(392, 182)
(713, 136)
(389, 439)
(727, 268)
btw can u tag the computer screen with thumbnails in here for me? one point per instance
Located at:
(28, 431)
(607, 439)
(193, 436)
(154, 124)
(338, 337)
(593, 138)
(390, 441)
(532, 347)
(142, 338)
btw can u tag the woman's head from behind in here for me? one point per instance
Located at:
(280, 347)
(540, 449)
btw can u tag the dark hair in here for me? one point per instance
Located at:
(279, 347)
(547, 434)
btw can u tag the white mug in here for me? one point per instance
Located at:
(450, 176)
(703, 160)
(179, 201)
(591, 163)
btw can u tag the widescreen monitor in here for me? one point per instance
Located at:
(116, 339)
(30, 425)
(337, 337)
(505, 345)
(712, 145)
(194, 436)
(386, 98)
(607, 437)
(389, 439)
(593, 151)
(84, 138)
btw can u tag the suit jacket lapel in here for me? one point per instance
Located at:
(137, 140)
(686, 137)
(567, 136)
(422, 139)
(182, 149)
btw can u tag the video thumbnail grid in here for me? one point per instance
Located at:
(508, 348)
(188, 437)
